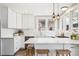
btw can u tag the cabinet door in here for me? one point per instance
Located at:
(4, 17)
(16, 44)
(28, 21)
(22, 42)
(19, 20)
(11, 19)
(7, 47)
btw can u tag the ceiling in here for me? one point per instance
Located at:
(36, 8)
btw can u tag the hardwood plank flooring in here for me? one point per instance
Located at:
(23, 52)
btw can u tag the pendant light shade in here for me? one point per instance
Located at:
(58, 17)
(54, 16)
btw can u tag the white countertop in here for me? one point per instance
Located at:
(51, 41)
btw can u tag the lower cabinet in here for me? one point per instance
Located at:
(18, 43)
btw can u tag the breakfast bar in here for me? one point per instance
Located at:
(53, 43)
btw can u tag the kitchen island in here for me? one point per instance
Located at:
(51, 43)
(55, 43)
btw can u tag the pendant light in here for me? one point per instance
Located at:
(53, 16)
(58, 16)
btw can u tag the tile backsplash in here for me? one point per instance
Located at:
(7, 33)
(31, 32)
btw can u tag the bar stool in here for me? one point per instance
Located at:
(62, 52)
(42, 51)
(30, 51)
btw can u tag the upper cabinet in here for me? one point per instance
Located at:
(28, 21)
(19, 21)
(14, 19)
(8, 18)
(11, 19)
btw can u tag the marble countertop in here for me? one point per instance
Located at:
(55, 40)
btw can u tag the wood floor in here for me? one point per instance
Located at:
(23, 52)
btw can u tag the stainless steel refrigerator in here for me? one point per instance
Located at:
(0, 47)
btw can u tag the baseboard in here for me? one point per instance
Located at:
(7, 55)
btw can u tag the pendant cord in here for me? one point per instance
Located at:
(53, 8)
(58, 8)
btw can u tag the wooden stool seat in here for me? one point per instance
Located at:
(63, 52)
(42, 51)
(30, 51)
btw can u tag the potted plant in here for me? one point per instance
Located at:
(74, 36)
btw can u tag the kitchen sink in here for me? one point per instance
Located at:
(62, 36)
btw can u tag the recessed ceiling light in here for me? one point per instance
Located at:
(64, 8)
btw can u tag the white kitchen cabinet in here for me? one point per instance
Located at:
(28, 21)
(18, 43)
(22, 42)
(11, 18)
(7, 17)
(19, 20)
